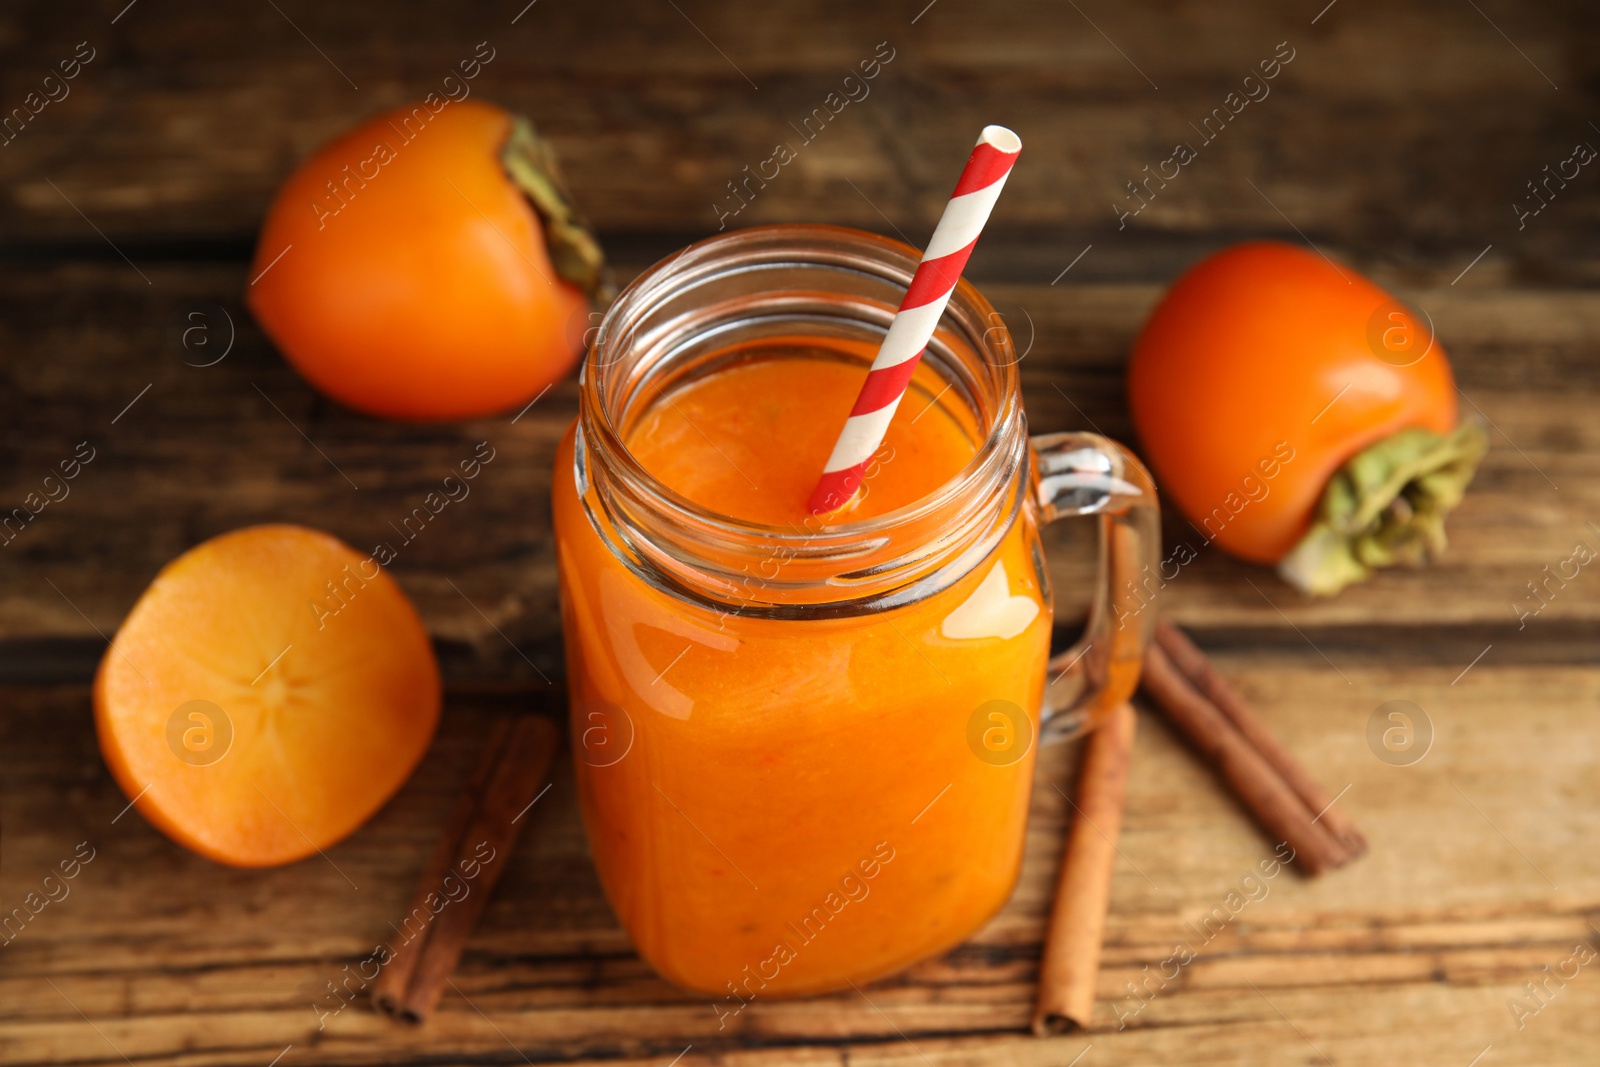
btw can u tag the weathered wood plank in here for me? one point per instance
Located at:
(186, 121)
(1480, 875)
(208, 449)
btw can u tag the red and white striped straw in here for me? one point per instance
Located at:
(913, 325)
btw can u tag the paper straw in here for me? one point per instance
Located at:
(913, 325)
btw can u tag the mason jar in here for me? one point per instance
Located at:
(805, 753)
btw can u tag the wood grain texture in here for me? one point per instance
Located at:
(208, 449)
(1397, 139)
(1406, 130)
(1480, 874)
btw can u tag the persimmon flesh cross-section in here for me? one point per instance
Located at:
(268, 693)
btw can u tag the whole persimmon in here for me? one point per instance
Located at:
(268, 693)
(1299, 415)
(427, 264)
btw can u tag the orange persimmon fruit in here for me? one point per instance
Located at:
(427, 264)
(268, 693)
(1299, 415)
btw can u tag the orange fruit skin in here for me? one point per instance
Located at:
(1266, 347)
(321, 739)
(423, 289)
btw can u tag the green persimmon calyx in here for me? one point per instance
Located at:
(1385, 506)
(574, 251)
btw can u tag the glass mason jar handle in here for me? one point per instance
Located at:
(1087, 474)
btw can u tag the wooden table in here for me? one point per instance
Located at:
(1396, 138)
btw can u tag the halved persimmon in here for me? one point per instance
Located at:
(268, 693)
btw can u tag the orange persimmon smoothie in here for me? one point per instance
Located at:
(750, 440)
(786, 793)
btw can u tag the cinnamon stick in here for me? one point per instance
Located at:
(1071, 962)
(469, 861)
(1278, 808)
(1199, 670)
(389, 990)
